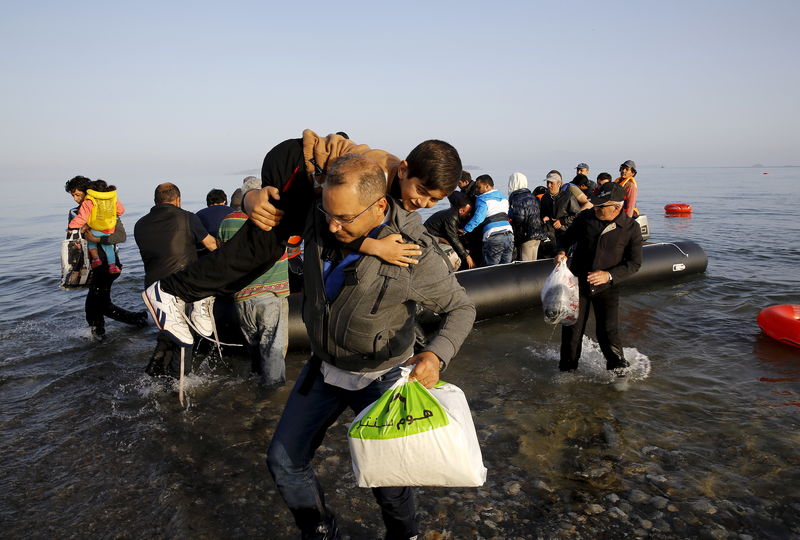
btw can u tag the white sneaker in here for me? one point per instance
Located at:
(203, 316)
(168, 312)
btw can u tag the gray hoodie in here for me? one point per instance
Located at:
(369, 325)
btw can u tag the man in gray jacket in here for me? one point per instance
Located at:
(359, 313)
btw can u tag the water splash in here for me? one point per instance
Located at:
(592, 365)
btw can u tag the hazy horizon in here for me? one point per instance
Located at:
(182, 89)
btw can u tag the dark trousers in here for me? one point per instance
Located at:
(305, 419)
(606, 314)
(166, 358)
(99, 304)
(252, 251)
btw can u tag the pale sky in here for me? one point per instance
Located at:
(180, 88)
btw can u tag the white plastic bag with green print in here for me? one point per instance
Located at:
(413, 436)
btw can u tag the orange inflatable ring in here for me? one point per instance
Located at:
(678, 208)
(781, 323)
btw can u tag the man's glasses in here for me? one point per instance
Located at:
(341, 221)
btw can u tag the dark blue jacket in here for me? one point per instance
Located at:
(525, 219)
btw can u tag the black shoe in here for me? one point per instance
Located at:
(99, 333)
(325, 530)
(142, 319)
(156, 367)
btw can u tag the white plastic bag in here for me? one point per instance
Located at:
(560, 298)
(413, 436)
(75, 271)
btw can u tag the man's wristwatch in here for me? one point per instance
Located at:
(442, 365)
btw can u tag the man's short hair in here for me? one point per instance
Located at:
(236, 199)
(580, 180)
(216, 196)
(458, 200)
(371, 180)
(166, 192)
(603, 176)
(251, 182)
(79, 183)
(485, 179)
(436, 164)
(465, 177)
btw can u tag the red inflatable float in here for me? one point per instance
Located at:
(781, 323)
(678, 208)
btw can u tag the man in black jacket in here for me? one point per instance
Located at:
(608, 248)
(168, 237)
(559, 207)
(445, 224)
(467, 186)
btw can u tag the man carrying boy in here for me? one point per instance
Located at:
(491, 213)
(292, 174)
(359, 314)
(98, 299)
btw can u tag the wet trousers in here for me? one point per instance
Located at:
(606, 314)
(166, 358)
(99, 304)
(264, 320)
(301, 429)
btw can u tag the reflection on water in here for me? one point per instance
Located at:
(701, 442)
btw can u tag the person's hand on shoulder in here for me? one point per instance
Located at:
(392, 250)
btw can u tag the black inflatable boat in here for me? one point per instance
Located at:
(510, 288)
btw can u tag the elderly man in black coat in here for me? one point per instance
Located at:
(608, 248)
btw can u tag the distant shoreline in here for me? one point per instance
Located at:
(721, 167)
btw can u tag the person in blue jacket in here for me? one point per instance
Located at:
(491, 214)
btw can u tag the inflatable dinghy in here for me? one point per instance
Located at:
(507, 288)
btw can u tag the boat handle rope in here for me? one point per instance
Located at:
(673, 245)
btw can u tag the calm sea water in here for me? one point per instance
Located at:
(703, 443)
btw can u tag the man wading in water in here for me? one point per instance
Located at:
(608, 248)
(359, 313)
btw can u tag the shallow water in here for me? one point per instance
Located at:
(701, 443)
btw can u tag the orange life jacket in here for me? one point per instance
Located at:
(622, 182)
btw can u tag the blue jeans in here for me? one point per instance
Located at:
(301, 429)
(107, 248)
(264, 320)
(498, 248)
